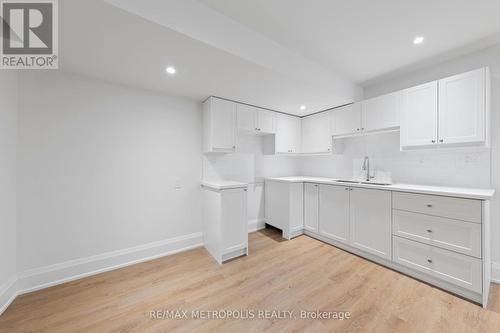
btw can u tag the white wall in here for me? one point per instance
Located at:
(8, 133)
(455, 167)
(98, 165)
(468, 167)
(250, 165)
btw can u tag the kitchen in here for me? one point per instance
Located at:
(398, 225)
(267, 166)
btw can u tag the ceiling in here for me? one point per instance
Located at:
(120, 47)
(277, 54)
(365, 39)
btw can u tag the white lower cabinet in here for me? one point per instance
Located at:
(438, 239)
(459, 269)
(284, 207)
(334, 212)
(225, 223)
(370, 221)
(358, 217)
(311, 207)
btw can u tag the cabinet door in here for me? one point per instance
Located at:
(347, 119)
(246, 118)
(234, 223)
(316, 133)
(311, 207)
(295, 134)
(462, 108)
(334, 212)
(283, 134)
(288, 133)
(381, 112)
(370, 221)
(419, 115)
(223, 124)
(265, 121)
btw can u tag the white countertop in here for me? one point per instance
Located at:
(223, 184)
(470, 193)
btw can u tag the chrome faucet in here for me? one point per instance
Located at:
(366, 168)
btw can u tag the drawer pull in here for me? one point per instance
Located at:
(429, 205)
(429, 261)
(429, 230)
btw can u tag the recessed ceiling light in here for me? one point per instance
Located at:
(170, 70)
(302, 107)
(418, 40)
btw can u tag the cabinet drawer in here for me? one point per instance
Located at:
(453, 208)
(455, 235)
(452, 267)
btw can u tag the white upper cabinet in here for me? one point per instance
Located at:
(245, 116)
(381, 113)
(462, 108)
(372, 115)
(219, 126)
(316, 133)
(452, 111)
(265, 121)
(346, 119)
(288, 132)
(254, 120)
(419, 115)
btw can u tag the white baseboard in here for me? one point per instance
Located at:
(257, 224)
(8, 292)
(48, 276)
(495, 272)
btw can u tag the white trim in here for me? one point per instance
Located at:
(48, 276)
(256, 224)
(495, 272)
(8, 292)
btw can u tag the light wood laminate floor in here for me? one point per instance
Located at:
(302, 274)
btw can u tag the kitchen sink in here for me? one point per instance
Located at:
(359, 182)
(376, 183)
(347, 181)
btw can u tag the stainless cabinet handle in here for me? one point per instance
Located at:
(234, 147)
(429, 261)
(429, 205)
(347, 189)
(441, 140)
(357, 129)
(429, 230)
(362, 128)
(433, 141)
